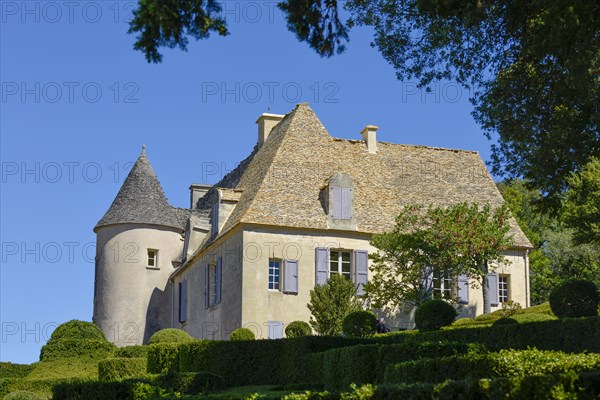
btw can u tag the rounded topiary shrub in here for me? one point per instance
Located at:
(242, 334)
(22, 395)
(359, 324)
(575, 298)
(75, 339)
(170, 335)
(505, 321)
(297, 329)
(79, 330)
(433, 315)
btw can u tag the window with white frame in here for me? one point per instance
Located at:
(442, 285)
(503, 288)
(274, 274)
(152, 258)
(340, 263)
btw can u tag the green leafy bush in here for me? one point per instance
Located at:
(163, 357)
(190, 382)
(22, 395)
(463, 322)
(41, 387)
(242, 334)
(75, 348)
(78, 330)
(359, 324)
(132, 352)
(434, 314)
(505, 321)
(524, 318)
(506, 363)
(116, 369)
(297, 329)
(77, 339)
(170, 335)
(575, 298)
(10, 370)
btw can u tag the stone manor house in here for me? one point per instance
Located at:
(301, 207)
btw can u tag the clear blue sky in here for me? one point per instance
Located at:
(78, 103)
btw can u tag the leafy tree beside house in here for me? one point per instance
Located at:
(331, 303)
(462, 239)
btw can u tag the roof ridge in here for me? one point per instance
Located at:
(420, 146)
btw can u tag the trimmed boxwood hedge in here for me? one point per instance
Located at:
(257, 362)
(78, 330)
(10, 370)
(132, 352)
(22, 395)
(163, 358)
(68, 348)
(506, 363)
(37, 386)
(170, 335)
(116, 369)
(137, 389)
(571, 335)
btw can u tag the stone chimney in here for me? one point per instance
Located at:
(369, 134)
(266, 123)
(197, 191)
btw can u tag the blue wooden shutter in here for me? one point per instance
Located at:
(336, 193)
(361, 270)
(321, 265)
(463, 289)
(218, 280)
(275, 329)
(346, 203)
(290, 280)
(207, 286)
(182, 301)
(214, 221)
(492, 280)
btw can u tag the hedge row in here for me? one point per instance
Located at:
(547, 387)
(138, 389)
(132, 352)
(10, 370)
(37, 386)
(163, 358)
(570, 335)
(367, 363)
(259, 361)
(116, 369)
(506, 363)
(78, 348)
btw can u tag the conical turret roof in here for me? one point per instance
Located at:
(141, 200)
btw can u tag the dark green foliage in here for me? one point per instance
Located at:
(575, 298)
(359, 324)
(132, 352)
(434, 314)
(67, 348)
(137, 389)
(581, 209)
(258, 362)
(22, 395)
(116, 369)
(330, 303)
(37, 386)
(242, 334)
(569, 335)
(506, 363)
(77, 339)
(170, 335)
(159, 23)
(525, 318)
(79, 330)
(164, 357)
(190, 382)
(355, 364)
(297, 329)
(505, 321)
(10, 370)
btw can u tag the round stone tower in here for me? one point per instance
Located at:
(139, 243)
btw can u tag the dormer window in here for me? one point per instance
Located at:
(340, 194)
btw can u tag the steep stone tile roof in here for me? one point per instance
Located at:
(141, 200)
(281, 182)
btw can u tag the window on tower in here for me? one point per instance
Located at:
(152, 258)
